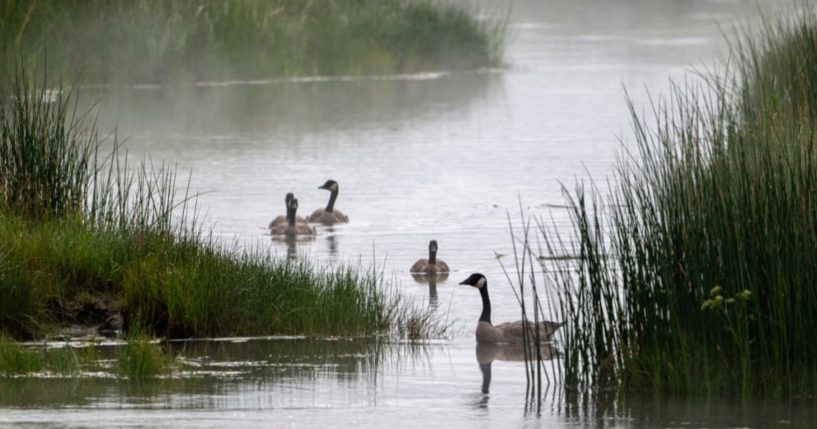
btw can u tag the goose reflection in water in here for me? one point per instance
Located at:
(292, 243)
(487, 353)
(332, 240)
(431, 280)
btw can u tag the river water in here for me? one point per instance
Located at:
(438, 155)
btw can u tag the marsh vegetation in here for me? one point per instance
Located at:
(153, 41)
(694, 273)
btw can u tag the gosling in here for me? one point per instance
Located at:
(282, 219)
(292, 229)
(505, 333)
(432, 265)
(329, 215)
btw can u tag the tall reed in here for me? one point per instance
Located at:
(43, 163)
(694, 273)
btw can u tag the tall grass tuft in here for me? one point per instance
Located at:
(142, 357)
(696, 273)
(44, 163)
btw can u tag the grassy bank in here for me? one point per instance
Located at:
(145, 41)
(61, 271)
(84, 235)
(697, 273)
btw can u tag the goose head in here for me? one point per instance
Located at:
(288, 198)
(432, 246)
(330, 185)
(476, 280)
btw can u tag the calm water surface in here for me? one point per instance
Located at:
(437, 155)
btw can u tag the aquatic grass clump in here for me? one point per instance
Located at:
(14, 359)
(696, 274)
(142, 357)
(212, 290)
(18, 360)
(156, 41)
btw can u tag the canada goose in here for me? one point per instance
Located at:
(329, 216)
(292, 228)
(507, 333)
(282, 219)
(432, 265)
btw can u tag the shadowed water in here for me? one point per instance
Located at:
(436, 155)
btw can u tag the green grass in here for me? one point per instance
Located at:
(142, 357)
(83, 235)
(140, 41)
(180, 287)
(18, 360)
(43, 163)
(139, 358)
(696, 273)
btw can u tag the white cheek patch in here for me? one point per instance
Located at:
(334, 187)
(481, 282)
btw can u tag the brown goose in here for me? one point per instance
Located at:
(506, 333)
(282, 219)
(292, 228)
(329, 215)
(432, 265)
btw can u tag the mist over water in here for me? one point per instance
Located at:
(438, 155)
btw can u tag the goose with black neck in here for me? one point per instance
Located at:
(329, 215)
(504, 333)
(432, 265)
(292, 228)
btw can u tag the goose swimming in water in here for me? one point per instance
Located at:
(432, 265)
(329, 215)
(507, 333)
(292, 228)
(282, 219)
